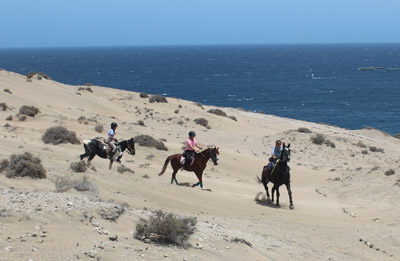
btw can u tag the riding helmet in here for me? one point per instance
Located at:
(192, 134)
(114, 125)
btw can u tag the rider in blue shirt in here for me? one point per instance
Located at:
(276, 154)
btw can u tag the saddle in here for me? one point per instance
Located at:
(183, 159)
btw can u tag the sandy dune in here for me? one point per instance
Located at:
(345, 207)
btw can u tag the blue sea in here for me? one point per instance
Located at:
(317, 83)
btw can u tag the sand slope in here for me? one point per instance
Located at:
(346, 208)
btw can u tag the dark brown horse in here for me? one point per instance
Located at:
(95, 147)
(198, 166)
(280, 174)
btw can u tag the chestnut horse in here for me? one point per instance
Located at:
(95, 147)
(198, 166)
(279, 175)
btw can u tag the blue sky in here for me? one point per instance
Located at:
(58, 23)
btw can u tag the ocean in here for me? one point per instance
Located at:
(348, 85)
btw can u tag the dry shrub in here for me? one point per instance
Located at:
(9, 118)
(28, 110)
(397, 136)
(389, 172)
(176, 111)
(217, 112)
(25, 165)
(375, 149)
(166, 228)
(85, 89)
(320, 139)
(199, 104)
(99, 128)
(304, 130)
(157, 98)
(22, 118)
(148, 141)
(122, 169)
(202, 122)
(57, 135)
(79, 166)
(7, 90)
(143, 95)
(3, 164)
(361, 145)
(40, 75)
(141, 123)
(83, 184)
(233, 118)
(241, 240)
(3, 106)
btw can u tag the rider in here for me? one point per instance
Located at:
(276, 154)
(190, 149)
(111, 140)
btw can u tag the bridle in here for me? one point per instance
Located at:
(130, 150)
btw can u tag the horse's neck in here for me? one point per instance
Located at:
(205, 155)
(123, 145)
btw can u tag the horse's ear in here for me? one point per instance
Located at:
(284, 145)
(288, 145)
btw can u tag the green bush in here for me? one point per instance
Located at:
(25, 165)
(148, 141)
(166, 228)
(28, 110)
(57, 135)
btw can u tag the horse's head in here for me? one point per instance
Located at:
(285, 154)
(131, 146)
(214, 155)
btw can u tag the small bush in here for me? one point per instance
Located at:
(304, 130)
(241, 240)
(141, 123)
(375, 149)
(166, 228)
(148, 141)
(7, 90)
(57, 135)
(389, 172)
(361, 145)
(99, 128)
(85, 89)
(25, 165)
(40, 74)
(143, 95)
(3, 164)
(28, 110)
(318, 139)
(22, 118)
(176, 111)
(199, 104)
(79, 166)
(9, 118)
(397, 136)
(122, 169)
(158, 98)
(217, 112)
(83, 184)
(364, 152)
(233, 118)
(201, 121)
(3, 107)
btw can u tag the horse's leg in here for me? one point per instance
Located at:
(173, 177)
(90, 159)
(82, 156)
(273, 192)
(200, 177)
(265, 183)
(277, 196)
(111, 162)
(290, 195)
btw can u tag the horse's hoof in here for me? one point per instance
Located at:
(291, 207)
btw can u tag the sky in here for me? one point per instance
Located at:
(81, 23)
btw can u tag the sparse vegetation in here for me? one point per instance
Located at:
(202, 122)
(57, 135)
(157, 98)
(217, 112)
(39, 75)
(364, 152)
(99, 128)
(389, 172)
(86, 89)
(361, 145)
(304, 130)
(148, 141)
(3, 107)
(22, 118)
(9, 118)
(375, 149)
(320, 139)
(7, 90)
(199, 104)
(166, 228)
(3, 164)
(83, 184)
(28, 110)
(241, 240)
(176, 111)
(143, 95)
(25, 165)
(141, 123)
(79, 166)
(111, 213)
(233, 118)
(122, 169)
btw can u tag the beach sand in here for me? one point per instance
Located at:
(345, 206)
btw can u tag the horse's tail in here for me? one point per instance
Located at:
(165, 165)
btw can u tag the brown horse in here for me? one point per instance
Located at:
(198, 166)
